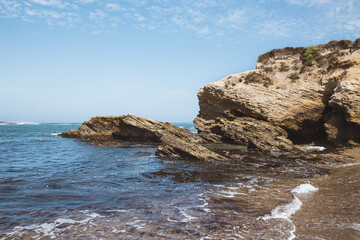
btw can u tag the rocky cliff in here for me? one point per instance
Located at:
(295, 95)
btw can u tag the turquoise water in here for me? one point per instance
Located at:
(59, 188)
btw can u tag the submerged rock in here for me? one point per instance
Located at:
(173, 140)
(295, 95)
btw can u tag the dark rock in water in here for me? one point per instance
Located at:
(7, 123)
(114, 130)
(172, 144)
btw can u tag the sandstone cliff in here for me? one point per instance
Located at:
(295, 95)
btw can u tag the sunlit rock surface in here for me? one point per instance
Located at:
(115, 130)
(295, 95)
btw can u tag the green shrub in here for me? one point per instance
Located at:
(294, 76)
(257, 78)
(310, 54)
(284, 67)
(263, 58)
(268, 69)
(333, 62)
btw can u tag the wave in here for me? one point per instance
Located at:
(27, 123)
(286, 211)
(53, 229)
(314, 148)
(19, 123)
(187, 217)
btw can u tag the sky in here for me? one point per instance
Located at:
(66, 61)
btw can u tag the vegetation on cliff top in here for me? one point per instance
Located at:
(310, 54)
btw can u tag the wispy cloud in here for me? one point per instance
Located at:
(309, 3)
(52, 3)
(10, 8)
(234, 19)
(207, 18)
(97, 16)
(114, 7)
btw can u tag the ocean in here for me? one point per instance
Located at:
(59, 188)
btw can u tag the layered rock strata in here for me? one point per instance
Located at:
(295, 95)
(173, 140)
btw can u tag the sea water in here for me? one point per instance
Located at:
(59, 188)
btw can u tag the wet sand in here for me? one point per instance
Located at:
(333, 212)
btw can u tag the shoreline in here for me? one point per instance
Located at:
(332, 211)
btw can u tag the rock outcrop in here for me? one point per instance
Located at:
(295, 95)
(115, 130)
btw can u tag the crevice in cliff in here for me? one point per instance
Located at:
(317, 131)
(310, 131)
(333, 128)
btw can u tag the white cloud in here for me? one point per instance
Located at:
(51, 17)
(208, 18)
(98, 16)
(204, 31)
(10, 8)
(52, 3)
(114, 7)
(234, 19)
(309, 3)
(279, 28)
(139, 17)
(87, 1)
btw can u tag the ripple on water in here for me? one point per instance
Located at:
(64, 189)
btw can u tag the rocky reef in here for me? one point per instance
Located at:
(294, 96)
(117, 130)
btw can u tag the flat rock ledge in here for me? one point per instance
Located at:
(172, 140)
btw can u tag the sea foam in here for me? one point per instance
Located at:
(286, 211)
(52, 229)
(314, 148)
(27, 123)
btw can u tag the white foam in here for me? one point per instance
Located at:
(51, 229)
(349, 164)
(286, 211)
(314, 148)
(118, 231)
(55, 134)
(205, 204)
(138, 224)
(187, 217)
(230, 192)
(171, 220)
(239, 236)
(304, 189)
(356, 226)
(27, 123)
(120, 210)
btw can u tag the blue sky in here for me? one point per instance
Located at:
(65, 61)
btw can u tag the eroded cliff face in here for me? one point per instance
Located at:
(295, 95)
